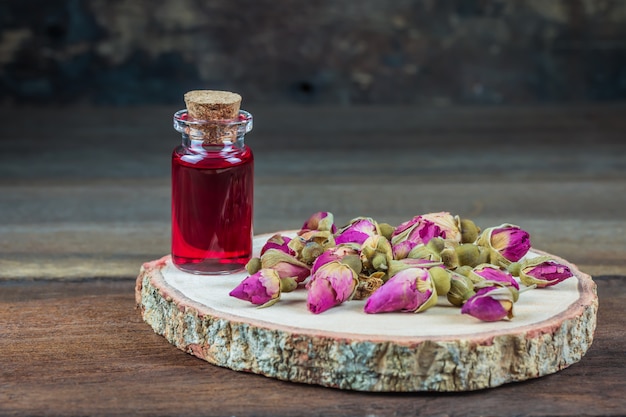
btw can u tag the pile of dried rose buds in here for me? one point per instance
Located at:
(406, 268)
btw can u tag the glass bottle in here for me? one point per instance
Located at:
(212, 195)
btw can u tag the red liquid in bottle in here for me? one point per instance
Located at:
(212, 196)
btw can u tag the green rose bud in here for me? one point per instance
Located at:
(471, 254)
(386, 230)
(441, 278)
(449, 258)
(253, 266)
(376, 253)
(469, 231)
(461, 289)
(422, 251)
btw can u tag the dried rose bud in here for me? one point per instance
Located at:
(437, 244)
(441, 278)
(469, 231)
(402, 249)
(418, 230)
(464, 270)
(421, 229)
(449, 258)
(323, 237)
(322, 220)
(511, 242)
(285, 265)
(447, 223)
(262, 289)
(288, 284)
(311, 244)
(410, 290)
(514, 268)
(334, 254)
(490, 275)
(507, 243)
(386, 230)
(357, 231)
(279, 242)
(368, 284)
(543, 272)
(253, 266)
(376, 253)
(296, 244)
(354, 262)
(421, 251)
(490, 304)
(461, 289)
(331, 285)
(310, 252)
(471, 254)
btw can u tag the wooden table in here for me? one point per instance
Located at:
(84, 201)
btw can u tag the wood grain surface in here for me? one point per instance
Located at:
(84, 201)
(81, 348)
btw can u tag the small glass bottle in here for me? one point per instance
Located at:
(212, 195)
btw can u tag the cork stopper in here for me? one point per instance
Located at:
(215, 109)
(212, 105)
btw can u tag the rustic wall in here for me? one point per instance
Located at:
(315, 51)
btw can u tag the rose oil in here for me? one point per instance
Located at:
(212, 200)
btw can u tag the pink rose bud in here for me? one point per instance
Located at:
(278, 242)
(286, 265)
(262, 288)
(490, 304)
(416, 230)
(448, 224)
(290, 270)
(357, 231)
(507, 243)
(332, 284)
(402, 249)
(543, 272)
(512, 242)
(410, 290)
(333, 254)
(421, 229)
(322, 220)
(494, 275)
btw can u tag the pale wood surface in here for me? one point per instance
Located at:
(84, 196)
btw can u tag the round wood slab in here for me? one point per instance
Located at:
(437, 350)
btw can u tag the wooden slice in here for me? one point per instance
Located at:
(437, 350)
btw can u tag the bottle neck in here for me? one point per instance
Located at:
(201, 146)
(220, 136)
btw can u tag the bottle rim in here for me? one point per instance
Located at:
(182, 122)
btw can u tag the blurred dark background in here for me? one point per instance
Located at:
(496, 110)
(401, 52)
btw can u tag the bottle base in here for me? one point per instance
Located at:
(210, 266)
